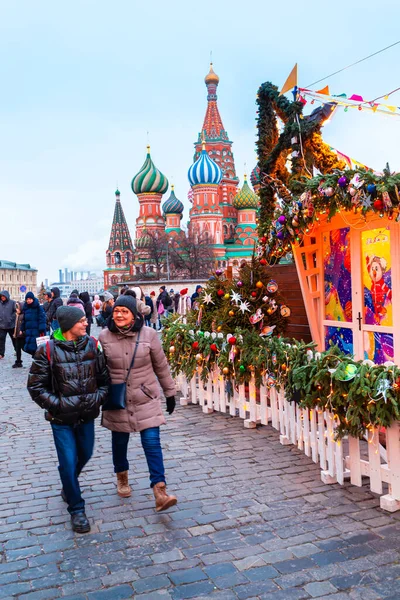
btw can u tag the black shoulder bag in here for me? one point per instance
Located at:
(116, 399)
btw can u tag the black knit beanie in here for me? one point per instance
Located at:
(127, 301)
(68, 316)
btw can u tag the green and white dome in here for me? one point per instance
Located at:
(173, 205)
(246, 198)
(149, 180)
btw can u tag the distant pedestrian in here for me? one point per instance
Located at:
(19, 336)
(54, 305)
(33, 323)
(46, 306)
(106, 309)
(135, 356)
(85, 298)
(69, 380)
(154, 314)
(73, 300)
(7, 320)
(196, 295)
(149, 302)
(96, 305)
(141, 305)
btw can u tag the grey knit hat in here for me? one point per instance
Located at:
(68, 316)
(107, 296)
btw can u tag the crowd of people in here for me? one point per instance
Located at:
(73, 377)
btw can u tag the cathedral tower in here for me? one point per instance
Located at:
(119, 255)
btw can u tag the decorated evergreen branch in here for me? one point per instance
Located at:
(360, 191)
(361, 396)
(300, 138)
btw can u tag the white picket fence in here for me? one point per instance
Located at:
(313, 431)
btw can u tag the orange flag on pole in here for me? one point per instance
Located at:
(290, 82)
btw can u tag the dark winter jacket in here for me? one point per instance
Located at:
(79, 384)
(7, 312)
(84, 296)
(18, 325)
(54, 304)
(33, 324)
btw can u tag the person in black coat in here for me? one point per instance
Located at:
(33, 322)
(84, 296)
(54, 305)
(69, 380)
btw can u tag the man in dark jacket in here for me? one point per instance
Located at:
(84, 296)
(54, 305)
(7, 320)
(69, 379)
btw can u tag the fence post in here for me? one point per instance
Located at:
(252, 422)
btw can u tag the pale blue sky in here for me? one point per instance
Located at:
(82, 83)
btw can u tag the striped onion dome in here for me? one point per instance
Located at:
(172, 205)
(149, 180)
(255, 176)
(204, 171)
(246, 198)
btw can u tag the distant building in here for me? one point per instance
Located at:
(93, 285)
(14, 276)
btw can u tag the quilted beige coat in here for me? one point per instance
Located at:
(149, 372)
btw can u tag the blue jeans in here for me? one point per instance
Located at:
(150, 439)
(74, 445)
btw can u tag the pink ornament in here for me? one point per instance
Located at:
(352, 191)
(282, 219)
(329, 191)
(240, 284)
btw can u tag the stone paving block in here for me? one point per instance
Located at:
(192, 590)
(49, 594)
(119, 592)
(190, 575)
(149, 584)
(319, 588)
(164, 557)
(256, 589)
(297, 564)
(249, 562)
(220, 569)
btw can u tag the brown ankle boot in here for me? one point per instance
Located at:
(163, 500)
(123, 487)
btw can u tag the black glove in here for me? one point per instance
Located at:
(170, 404)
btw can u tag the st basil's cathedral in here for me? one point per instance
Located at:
(221, 213)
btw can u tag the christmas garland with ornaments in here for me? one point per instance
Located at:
(358, 191)
(361, 395)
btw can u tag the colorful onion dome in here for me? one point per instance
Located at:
(172, 205)
(255, 176)
(117, 192)
(246, 198)
(149, 180)
(204, 171)
(211, 77)
(143, 241)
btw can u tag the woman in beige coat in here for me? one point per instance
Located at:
(123, 336)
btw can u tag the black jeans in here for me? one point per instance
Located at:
(19, 345)
(74, 445)
(3, 335)
(150, 439)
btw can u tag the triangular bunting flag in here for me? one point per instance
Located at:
(324, 90)
(290, 82)
(357, 98)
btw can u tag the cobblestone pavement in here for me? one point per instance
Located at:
(253, 519)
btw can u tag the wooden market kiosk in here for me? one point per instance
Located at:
(349, 271)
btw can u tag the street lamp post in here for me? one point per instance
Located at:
(168, 272)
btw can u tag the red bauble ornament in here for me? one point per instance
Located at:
(195, 345)
(220, 293)
(263, 261)
(232, 341)
(263, 240)
(254, 294)
(213, 347)
(378, 204)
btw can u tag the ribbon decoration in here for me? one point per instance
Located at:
(354, 101)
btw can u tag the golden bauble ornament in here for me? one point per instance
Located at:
(231, 313)
(259, 284)
(225, 370)
(219, 328)
(227, 296)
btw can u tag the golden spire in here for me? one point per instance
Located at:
(211, 77)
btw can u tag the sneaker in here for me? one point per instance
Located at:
(80, 523)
